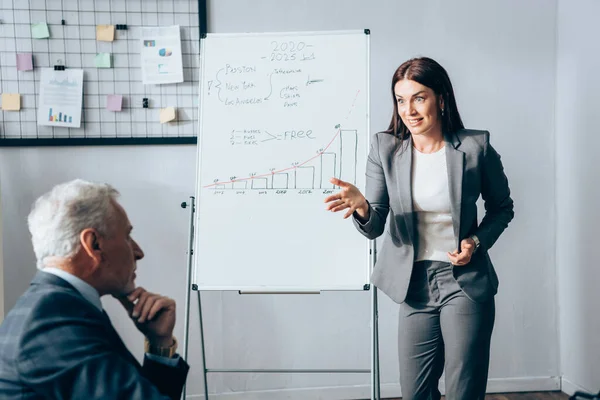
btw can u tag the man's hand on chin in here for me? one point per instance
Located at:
(152, 314)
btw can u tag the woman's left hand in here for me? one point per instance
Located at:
(464, 257)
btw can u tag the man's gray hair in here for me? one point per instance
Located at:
(59, 216)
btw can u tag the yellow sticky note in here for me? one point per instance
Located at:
(106, 33)
(167, 114)
(11, 101)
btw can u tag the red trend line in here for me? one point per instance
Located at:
(296, 166)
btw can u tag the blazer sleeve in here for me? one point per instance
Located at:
(499, 208)
(376, 194)
(67, 353)
(167, 379)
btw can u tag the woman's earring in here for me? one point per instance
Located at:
(442, 112)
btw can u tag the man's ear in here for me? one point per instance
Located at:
(91, 245)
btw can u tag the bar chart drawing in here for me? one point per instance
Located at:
(348, 156)
(338, 159)
(304, 177)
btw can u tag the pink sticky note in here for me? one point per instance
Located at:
(114, 102)
(24, 62)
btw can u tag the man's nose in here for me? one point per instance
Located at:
(137, 251)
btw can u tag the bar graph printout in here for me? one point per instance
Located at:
(280, 116)
(61, 96)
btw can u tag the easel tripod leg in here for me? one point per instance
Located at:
(203, 349)
(375, 387)
(188, 283)
(376, 329)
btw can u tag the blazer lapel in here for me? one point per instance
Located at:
(455, 160)
(45, 278)
(404, 171)
(124, 350)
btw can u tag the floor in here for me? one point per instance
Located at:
(524, 396)
(532, 396)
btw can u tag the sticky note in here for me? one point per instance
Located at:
(11, 101)
(24, 62)
(114, 102)
(102, 60)
(167, 114)
(40, 30)
(105, 33)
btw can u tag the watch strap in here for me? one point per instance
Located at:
(160, 351)
(477, 242)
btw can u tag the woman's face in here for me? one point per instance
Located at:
(418, 107)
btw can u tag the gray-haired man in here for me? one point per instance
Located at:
(57, 342)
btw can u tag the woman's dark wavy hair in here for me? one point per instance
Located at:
(428, 73)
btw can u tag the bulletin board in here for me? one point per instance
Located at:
(73, 44)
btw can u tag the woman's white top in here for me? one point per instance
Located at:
(431, 203)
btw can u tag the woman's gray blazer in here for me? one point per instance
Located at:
(474, 168)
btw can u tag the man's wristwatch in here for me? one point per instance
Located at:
(160, 351)
(477, 242)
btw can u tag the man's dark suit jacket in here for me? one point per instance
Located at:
(54, 344)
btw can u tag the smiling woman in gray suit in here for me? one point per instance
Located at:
(426, 172)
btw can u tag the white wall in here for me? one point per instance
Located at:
(578, 193)
(503, 69)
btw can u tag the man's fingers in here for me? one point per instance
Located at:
(135, 294)
(148, 303)
(128, 301)
(137, 310)
(161, 304)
